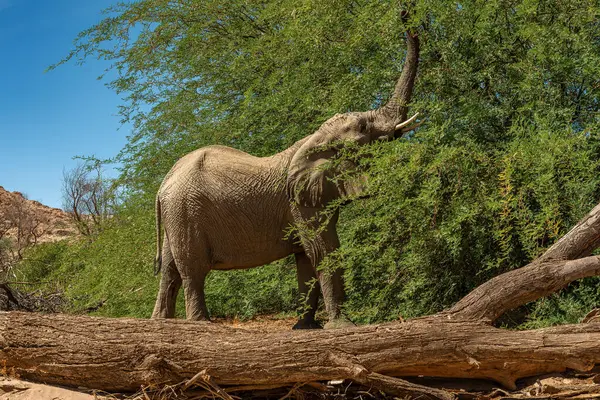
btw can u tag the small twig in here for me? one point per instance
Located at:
(248, 388)
(193, 380)
(293, 390)
(399, 387)
(203, 379)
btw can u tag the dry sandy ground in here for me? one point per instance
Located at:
(12, 389)
(264, 323)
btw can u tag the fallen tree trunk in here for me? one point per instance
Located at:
(125, 354)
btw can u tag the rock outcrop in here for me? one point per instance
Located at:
(55, 223)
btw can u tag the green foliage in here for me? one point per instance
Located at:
(506, 162)
(266, 290)
(41, 261)
(567, 308)
(447, 218)
(111, 269)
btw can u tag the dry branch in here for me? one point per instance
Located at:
(579, 242)
(514, 288)
(6, 291)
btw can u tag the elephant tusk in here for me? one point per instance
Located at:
(412, 127)
(408, 121)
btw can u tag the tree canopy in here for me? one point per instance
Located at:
(506, 160)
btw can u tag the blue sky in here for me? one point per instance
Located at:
(47, 118)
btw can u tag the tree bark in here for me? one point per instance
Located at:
(581, 240)
(126, 354)
(520, 286)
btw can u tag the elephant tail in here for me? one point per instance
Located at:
(158, 259)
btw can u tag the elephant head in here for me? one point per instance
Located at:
(310, 181)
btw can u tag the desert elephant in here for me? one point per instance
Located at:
(225, 209)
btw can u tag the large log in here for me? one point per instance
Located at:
(125, 354)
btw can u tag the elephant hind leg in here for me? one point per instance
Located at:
(192, 259)
(195, 302)
(170, 283)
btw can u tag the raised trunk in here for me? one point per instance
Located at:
(396, 109)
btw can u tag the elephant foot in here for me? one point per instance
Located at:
(199, 319)
(307, 325)
(161, 315)
(339, 323)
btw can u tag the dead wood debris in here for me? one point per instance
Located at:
(570, 385)
(12, 299)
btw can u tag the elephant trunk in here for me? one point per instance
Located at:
(396, 109)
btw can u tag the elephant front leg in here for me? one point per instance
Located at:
(332, 287)
(318, 243)
(309, 290)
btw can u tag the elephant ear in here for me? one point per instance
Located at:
(310, 179)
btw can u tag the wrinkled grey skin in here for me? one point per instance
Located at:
(225, 209)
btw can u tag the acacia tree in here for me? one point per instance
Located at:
(504, 164)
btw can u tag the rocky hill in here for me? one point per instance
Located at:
(51, 224)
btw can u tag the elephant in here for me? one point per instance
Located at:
(225, 209)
